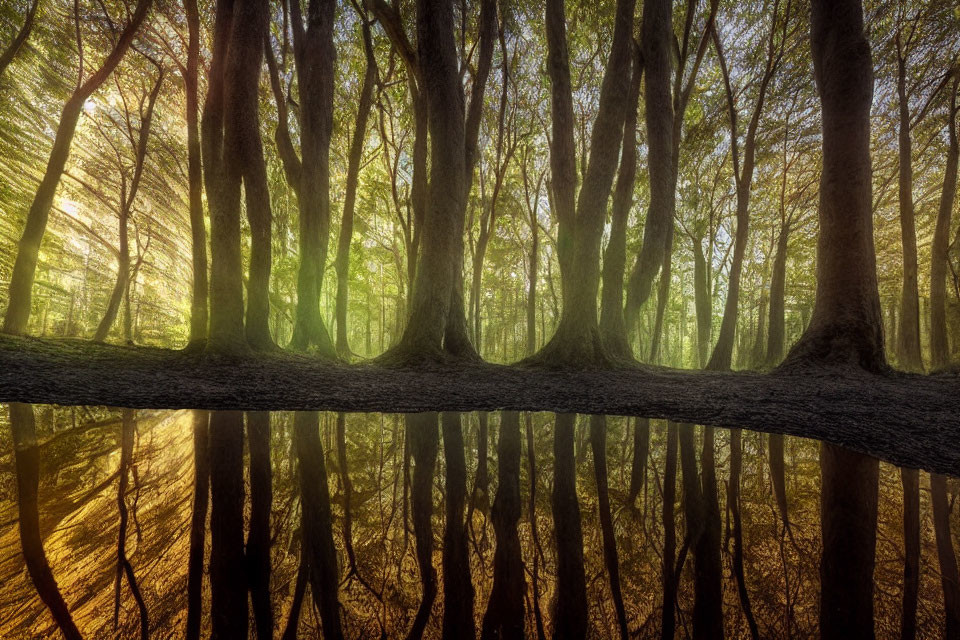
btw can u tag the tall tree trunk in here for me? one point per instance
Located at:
(657, 41)
(910, 478)
(776, 334)
(457, 584)
(315, 58)
(613, 329)
(570, 607)
(28, 249)
(198, 522)
(342, 262)
(534, 531)
(598, 444)
(577, 339)
(641, 449)
(26, 459)
(258, 538)
(846, 329)
(949, 577)
(668, 571)
(504, 617)
(703, 302)
(8, 54)
(708, 569)
(908, 341)
(124, 567)
(123, 277)
(733, 503)
(939, 344)
(317, 521)
(198, 231)
(228, 574)
(424, 442)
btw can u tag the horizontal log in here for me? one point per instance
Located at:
(906, 419)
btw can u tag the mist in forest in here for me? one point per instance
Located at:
(492, 318)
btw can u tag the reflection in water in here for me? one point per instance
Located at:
(162, 524)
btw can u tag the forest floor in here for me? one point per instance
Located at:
(909, 420)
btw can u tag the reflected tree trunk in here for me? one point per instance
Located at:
(457, 584)
(124, 567)
(949, 574)
(504, 617)
(26, 456)
(198, 522)
(258, 538)
(317, 522)
(424, 442)
(228, 568)
(570, 607)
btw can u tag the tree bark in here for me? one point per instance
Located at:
(228, 575)
(457, 584)
(504, 617)
(641, 449)
(657, 41)
(315, 59)
(26, 455)
(198, 230)
(910, 478)
(570, 606)
(613, 329)
(939, 344)
(198, 523)
(342, 261)
(908, 341)
(668, 571)
(577, 339)
(124, 567)
(18, 40)
(258, 538)
(28, 249)
(598, 445)
(424, 442)
(317, 521)
(949, 578)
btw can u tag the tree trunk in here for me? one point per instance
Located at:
(198, 523)
(315, 58)
(570, 607)
(657, 41)
(342, 262)
(424, 442)
(504, 617)
(848, 512)
(733, 503)
(317, 522)
(949, 578)
(26, 456)
(613, 329)
(598, 444)
(124, 567)
(123, 277)
(670, 579)
(198, 231)
(939, 344)
(576, 341)
(258, 538)
(228, 576)
(534, 531)
(641, 449)
(18, 40)
(910, 478)
(908, 342)
(457, 585)
(846, 328)
(776, 333)
(703, 302)
(28, 249)
(708, 569)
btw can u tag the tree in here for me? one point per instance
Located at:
(25, 267)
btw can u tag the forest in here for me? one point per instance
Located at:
(490, 318)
